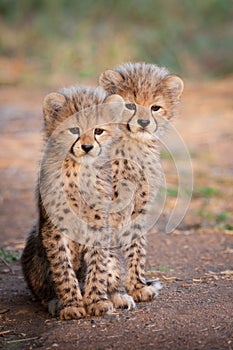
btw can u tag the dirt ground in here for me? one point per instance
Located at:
(194, 263)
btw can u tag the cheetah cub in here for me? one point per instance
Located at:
(63, 262)
(151, 95)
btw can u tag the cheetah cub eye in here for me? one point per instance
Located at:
(98, 131)
(131, 106)
(155, 108)
(74, 131)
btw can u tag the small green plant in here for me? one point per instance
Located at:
(9, 256)
(228, 227)
(154, 269)
(221, 217)
(163, 269)
(208, 191)
(216, 219)
(172, 192)
(204, 214)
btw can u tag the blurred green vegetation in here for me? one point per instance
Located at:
(78, 38)
(9, 256)
(220, 220)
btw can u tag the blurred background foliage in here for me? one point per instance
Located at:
(61, 41)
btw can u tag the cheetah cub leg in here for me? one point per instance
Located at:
(120, 299)
(136, 284)
(54, 308)
(66, 284)
(95, 289)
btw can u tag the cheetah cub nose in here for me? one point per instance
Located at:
(87, 148)
(143, 122)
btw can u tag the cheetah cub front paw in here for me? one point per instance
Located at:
(147, 292)
(100, 307)
(122, 301)
(72, 312)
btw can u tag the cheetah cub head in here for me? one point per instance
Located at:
(150, 94)
(83, 121)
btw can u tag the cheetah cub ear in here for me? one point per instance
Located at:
(116, 105)
(109, 80)
(53, 104)
(114, 99)
(174, 84)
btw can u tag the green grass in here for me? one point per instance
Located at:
(204, 214)
(208, 191)
(222, 217)
(172, 192)
(164, 269)
(9, 256)
(228, 227)
(153, 269)
(219, 220)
